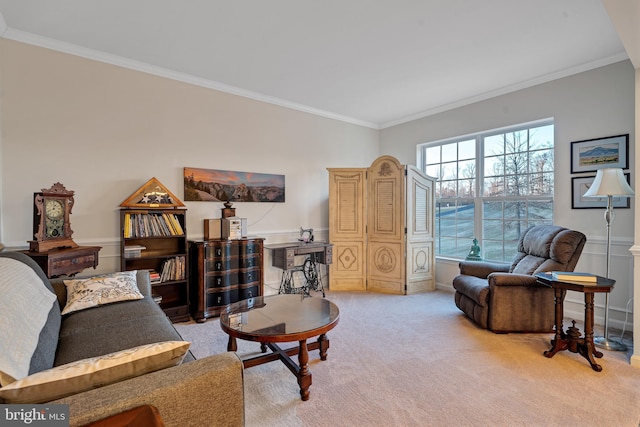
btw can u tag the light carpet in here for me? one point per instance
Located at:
(416, 360)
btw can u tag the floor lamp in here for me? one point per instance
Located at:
(609, 182)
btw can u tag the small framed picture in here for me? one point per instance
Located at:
(593, 154)
(580, 185)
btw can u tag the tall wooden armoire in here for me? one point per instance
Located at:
(381, 222)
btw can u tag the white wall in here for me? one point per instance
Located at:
(103, 131)
(592, 104)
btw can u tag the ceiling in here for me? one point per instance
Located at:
(371, 62)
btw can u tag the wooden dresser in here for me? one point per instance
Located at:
(66, 261)
(222, 272)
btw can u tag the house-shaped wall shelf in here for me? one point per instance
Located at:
(152, 195)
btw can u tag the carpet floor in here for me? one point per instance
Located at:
(416, 360)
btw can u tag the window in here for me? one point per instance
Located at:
(491, 186)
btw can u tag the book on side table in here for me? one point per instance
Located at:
(574, 276)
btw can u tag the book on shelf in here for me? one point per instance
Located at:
(574, 276)
(173, 269)
(154, 276)
(151, 225)
(133, 251)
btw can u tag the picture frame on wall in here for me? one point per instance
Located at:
(214, 185)
(593, 154)
(580, 185)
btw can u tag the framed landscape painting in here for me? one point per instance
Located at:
(593, 154)
(212, 185)
(580, 185)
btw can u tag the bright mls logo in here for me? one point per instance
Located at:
(36, 415)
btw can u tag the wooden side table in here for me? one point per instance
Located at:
(571, 339)
(66, 261)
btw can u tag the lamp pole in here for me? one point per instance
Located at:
(605, 342)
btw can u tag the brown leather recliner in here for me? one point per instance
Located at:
(505, 297)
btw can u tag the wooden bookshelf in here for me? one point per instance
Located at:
(155, 239)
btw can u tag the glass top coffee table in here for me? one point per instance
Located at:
(282, 318)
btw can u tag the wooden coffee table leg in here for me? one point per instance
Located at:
(232, 345)
(304, 375)
(323, 345)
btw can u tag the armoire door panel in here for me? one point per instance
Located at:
(349, 258)
(385, 182)
(419, 256)
(347, 272)
(386, 260)
(384, 286)
(420, 286)
(347, 204)
(347, 228)
(385, 221)
(420, 209)
(385, 234)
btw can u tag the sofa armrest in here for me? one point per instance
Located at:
(208, 391)
(143, 281)
(512, 279)
(482, 269)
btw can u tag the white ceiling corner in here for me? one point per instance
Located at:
(374, 63)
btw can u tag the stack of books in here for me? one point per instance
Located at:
(575, 276)
(133, 251)
(154, 277)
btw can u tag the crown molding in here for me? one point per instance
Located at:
(72, 49)
(622, 56)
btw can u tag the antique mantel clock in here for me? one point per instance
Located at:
(51, 226)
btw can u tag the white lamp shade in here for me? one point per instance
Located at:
(609, 182)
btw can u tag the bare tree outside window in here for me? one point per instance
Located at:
(514, 168)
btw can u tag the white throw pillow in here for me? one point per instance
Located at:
(94, 372)
(100, 290)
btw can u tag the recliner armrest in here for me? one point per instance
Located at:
(512, 279)
(482, 269)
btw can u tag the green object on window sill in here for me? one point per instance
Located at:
(474, 252)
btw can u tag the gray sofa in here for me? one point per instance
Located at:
(208, 391)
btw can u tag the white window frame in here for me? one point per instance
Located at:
(479, 198)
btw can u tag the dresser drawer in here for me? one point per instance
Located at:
(221, 280)
(64, 265)
(249, 292)
(218, 251)
(66, 261)
(249, 276)
(250, 248)
(249, 261)
(217, 299)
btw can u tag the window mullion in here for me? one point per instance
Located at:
(478, 205)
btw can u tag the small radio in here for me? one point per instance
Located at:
(225, 228)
